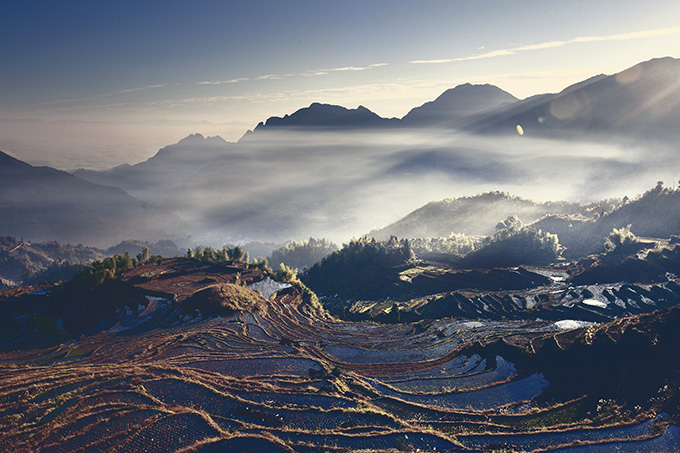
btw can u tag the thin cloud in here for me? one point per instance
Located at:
(222, 82)
(132, 90)
(318, 72)
(357, 68)
(554, 44)
(270, 77)
(315, 73)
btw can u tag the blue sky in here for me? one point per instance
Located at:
(97, 83)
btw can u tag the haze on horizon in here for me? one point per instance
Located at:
(95, 85)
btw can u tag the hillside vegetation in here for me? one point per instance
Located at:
(654, 214)
(479, 214)
(302, 255)
(31, 262)
(364, 268)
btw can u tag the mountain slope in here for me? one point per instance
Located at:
(641, 102)
(22, 261)
(655, 214)
(456, 103)
(477, 215)
(42, 203)
(165, 169)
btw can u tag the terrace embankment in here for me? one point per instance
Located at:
(628, 359)
(270, 372)
(597, 289)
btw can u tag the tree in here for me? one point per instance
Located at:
(508, 227)
(285, 274)
(190, 253)
(236, 254)
(209, 255)
(620, 238)
(261, 262)
(528, 246)
(127, 261)
(145, 254)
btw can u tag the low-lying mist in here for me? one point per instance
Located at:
(280, 185)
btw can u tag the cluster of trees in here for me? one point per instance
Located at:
(513, 245)
(104, 270)
(211, 255)
(98, 272)
(508, 227)
(364, 268)
(656, 213)
(456, 244)
(303, 255)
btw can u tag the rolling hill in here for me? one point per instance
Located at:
(475, 215)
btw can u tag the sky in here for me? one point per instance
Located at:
(95, 84)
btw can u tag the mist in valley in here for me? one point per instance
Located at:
(282, 185)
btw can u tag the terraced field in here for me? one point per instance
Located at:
(280, 377)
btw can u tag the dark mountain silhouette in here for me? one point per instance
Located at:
(328, 116)
(42, 203)
(641, 102)
(456, 103)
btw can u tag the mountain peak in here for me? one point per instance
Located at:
(327, 116)
(641, 102)
(192, 138)
(198, 138)
(456, 103)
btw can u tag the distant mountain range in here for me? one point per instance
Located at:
(165, 170)
(327, 170)
(42, 203)
(642, 102)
